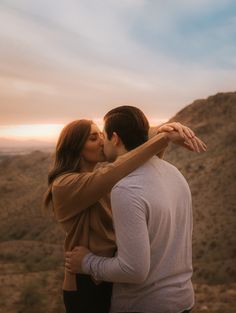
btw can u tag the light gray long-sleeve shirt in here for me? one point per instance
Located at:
(152, 215)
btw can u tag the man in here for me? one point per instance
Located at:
(152, 215)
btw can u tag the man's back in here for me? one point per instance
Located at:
(159, 207)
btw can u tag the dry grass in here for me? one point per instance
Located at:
(31, 256)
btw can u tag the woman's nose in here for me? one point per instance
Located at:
(101, 140)
(101, 136)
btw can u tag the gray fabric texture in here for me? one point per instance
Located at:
(152, 213)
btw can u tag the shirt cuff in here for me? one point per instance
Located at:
(86, 263)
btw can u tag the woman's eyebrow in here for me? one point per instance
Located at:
(94, 133)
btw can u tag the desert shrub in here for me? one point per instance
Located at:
(31, 299)
(30, 295)
(35, 262)
(8, 257)
(49, 263)
(2, 298)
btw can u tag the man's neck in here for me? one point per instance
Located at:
(121, 150)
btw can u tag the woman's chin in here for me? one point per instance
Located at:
(102, 158)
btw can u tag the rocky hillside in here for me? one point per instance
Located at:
(22, 184)
(31, 256)
(212, 179)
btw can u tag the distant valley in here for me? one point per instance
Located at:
(31, 253)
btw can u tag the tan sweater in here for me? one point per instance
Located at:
(82, 204)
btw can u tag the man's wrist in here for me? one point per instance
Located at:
(85, 265)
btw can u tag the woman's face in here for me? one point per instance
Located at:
(93, 149)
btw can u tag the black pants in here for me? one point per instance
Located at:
(89, 298)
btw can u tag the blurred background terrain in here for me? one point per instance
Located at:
(31, 243)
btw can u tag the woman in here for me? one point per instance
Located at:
(78, 192)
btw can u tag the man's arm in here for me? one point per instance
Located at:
(132, 263)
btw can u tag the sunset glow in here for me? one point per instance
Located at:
(62, 60)
(46, 132)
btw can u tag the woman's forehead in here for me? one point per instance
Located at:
(94, 129)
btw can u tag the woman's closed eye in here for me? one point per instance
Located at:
(96, 136)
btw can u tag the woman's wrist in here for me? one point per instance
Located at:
(166, 136)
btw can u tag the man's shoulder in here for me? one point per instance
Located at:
(155, 168)
(138, 175)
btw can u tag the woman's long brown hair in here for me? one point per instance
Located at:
(67, 155)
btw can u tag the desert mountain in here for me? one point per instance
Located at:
(212, 179)
(31, 242)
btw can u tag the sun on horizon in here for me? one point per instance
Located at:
(45, 132)
(22, 132)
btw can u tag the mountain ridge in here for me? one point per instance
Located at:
(31, 242)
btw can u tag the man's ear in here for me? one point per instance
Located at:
(115, 139)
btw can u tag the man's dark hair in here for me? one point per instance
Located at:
(130, 124)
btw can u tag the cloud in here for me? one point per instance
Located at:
(60, 59)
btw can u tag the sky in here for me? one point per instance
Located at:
(62, 60)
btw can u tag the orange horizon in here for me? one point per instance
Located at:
(45, 132)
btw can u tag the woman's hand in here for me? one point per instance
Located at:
(183, 136)
(74, 259)
(194, 143)
(180, 128)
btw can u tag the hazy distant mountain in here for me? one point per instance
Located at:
(21, 147)
(11, 143)
(31, 243)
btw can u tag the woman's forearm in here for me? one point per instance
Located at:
(84, 189)
(153, 131)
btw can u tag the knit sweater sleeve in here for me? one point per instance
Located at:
(81, 190)
(132, 263)
(153, 131)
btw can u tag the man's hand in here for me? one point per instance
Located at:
(74, 259)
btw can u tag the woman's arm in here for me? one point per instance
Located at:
(81, 190)
(84, 189)
(153, 131)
